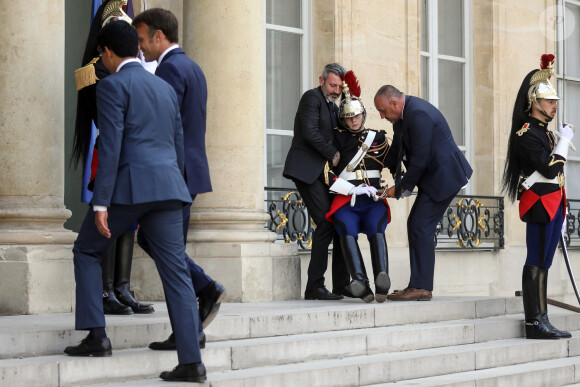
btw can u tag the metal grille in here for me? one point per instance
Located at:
(470, 222)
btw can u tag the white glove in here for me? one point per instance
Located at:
(564, 225)
(406, 193)
(363, 190)
(565, 131)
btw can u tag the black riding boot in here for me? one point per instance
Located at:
(535, 326)
(110, 303)
(124, 258)
(359, 286)
(544, 305)
(380, 259)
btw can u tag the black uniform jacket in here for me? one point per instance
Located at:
(534, 145)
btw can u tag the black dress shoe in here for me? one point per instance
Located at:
(194, 372)
(136, 306)
(169, 344)
(321, 293)
(111, 305)
(88, 347)
(210, 299)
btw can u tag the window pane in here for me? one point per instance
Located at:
(572, 173)
(282, 79)
(450, 27)
(277, 149)
(284, 12)
(451, 97)
(571, 111)
(573, 42)
(424, 25)
(425, 78)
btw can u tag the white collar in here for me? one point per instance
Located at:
(166, 51)
(123, 63)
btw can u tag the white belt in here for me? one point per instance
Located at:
(360, 174)
(537, 177)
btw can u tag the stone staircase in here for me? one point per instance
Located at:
(456, 341)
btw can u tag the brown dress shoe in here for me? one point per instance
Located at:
(411, 294)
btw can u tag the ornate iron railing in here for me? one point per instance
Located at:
(572, 233)
(475, 223)
(289, 217)
(471, 223)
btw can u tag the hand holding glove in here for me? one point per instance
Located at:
(566, 131)
(364, 190)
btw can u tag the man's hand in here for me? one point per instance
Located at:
(336, 159)
(391, 192)
(101, 222)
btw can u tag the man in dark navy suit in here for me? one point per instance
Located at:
(140, 178)
(158, 35)
(423, 142)
(311, 152)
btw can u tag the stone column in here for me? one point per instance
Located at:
(227, 235)
(35, 249)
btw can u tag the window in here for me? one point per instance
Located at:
(446, 64)
(287, 77)
(568, 65)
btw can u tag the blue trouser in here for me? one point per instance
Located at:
(421, 227)
(542, 240)
(198, 277)
(161, 226)
(367, 216)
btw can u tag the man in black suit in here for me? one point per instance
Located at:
(434, 163)
(138, 117)
(312, 151)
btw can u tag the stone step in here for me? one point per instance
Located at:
(548, 373)
(39, 335)
(452, 365)
(336, 369)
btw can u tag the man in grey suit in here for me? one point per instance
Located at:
(140, 178)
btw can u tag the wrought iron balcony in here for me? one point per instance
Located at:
(470, 222)
(572, 233)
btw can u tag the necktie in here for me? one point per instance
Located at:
(398, 132)
(332, 108)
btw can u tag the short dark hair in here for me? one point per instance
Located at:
(120, 37)
(389, 91)
(159, 19)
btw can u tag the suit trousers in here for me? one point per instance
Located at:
(198, 276)
(161, 225)
(317, 199)
(421, 227)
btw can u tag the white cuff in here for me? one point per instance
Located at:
(562, 147)
(341, 186)
(99, 208)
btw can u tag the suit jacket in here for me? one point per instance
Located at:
(140, 140)
(433, 161)
(189, 83)
(312, 145)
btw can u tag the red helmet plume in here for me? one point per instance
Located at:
(350, 79)
(547, 59)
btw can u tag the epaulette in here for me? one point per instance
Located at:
(524, 129)
(86, 75)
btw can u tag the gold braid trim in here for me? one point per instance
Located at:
(326, 170)
(86, 75)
